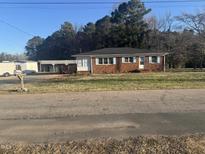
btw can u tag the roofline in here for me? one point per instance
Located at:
(115, 55)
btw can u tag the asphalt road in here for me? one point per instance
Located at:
(41, 118)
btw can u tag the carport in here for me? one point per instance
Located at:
(57, 66)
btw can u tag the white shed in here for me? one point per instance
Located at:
(7, 68)
(27, 66)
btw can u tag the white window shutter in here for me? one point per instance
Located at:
(158, 59)
(123, 59)
(150, 59)
(134, 59)
(114, 60)
(97, 61)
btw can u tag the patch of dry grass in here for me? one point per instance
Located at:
(194, 80)
(142, 145)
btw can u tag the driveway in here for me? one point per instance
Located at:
(40, 118)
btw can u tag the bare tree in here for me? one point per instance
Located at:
(195, 22)
(167, 23)
(154, 23)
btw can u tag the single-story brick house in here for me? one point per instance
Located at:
(120, 60)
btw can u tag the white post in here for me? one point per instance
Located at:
(53, 67)
(21, 78)
(22, 83)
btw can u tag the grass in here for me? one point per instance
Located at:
(118, 82)
(186, 70)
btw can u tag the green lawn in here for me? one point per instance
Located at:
(185, 80)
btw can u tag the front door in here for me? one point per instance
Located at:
(141, 62)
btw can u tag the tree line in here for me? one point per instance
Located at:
(129, 26)
(12, 57)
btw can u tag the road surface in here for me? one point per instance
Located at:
(42, 118)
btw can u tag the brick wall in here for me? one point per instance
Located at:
(154, 67)
(129, 67)
(103, 69)
(126, 67)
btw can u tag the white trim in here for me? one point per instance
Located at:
(123, 59)
(108, 61)
(84, 64)
(134, 60)
(114, 60)
(158, 60)
(51, 62)
(97, 61)
(150, 59)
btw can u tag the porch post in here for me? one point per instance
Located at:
(40, 67)
(53, 67)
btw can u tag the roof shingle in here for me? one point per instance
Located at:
(120, 51)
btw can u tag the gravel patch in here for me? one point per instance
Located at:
(143, 145)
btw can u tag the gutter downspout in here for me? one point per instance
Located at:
(164, 63)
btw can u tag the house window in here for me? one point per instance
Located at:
(82, 62)
(105, 61)
(128, 59)
(154, 59)
(131, 59)
(100, 61)
(111, 61)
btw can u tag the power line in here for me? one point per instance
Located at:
(15, 27)
(50, 8)
(54, 3)
(90, 2)
(175, 1)
(95, 8)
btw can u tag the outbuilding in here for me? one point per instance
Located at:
(27, 67)
(11, 68)
(7, 68)
(57, 66)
